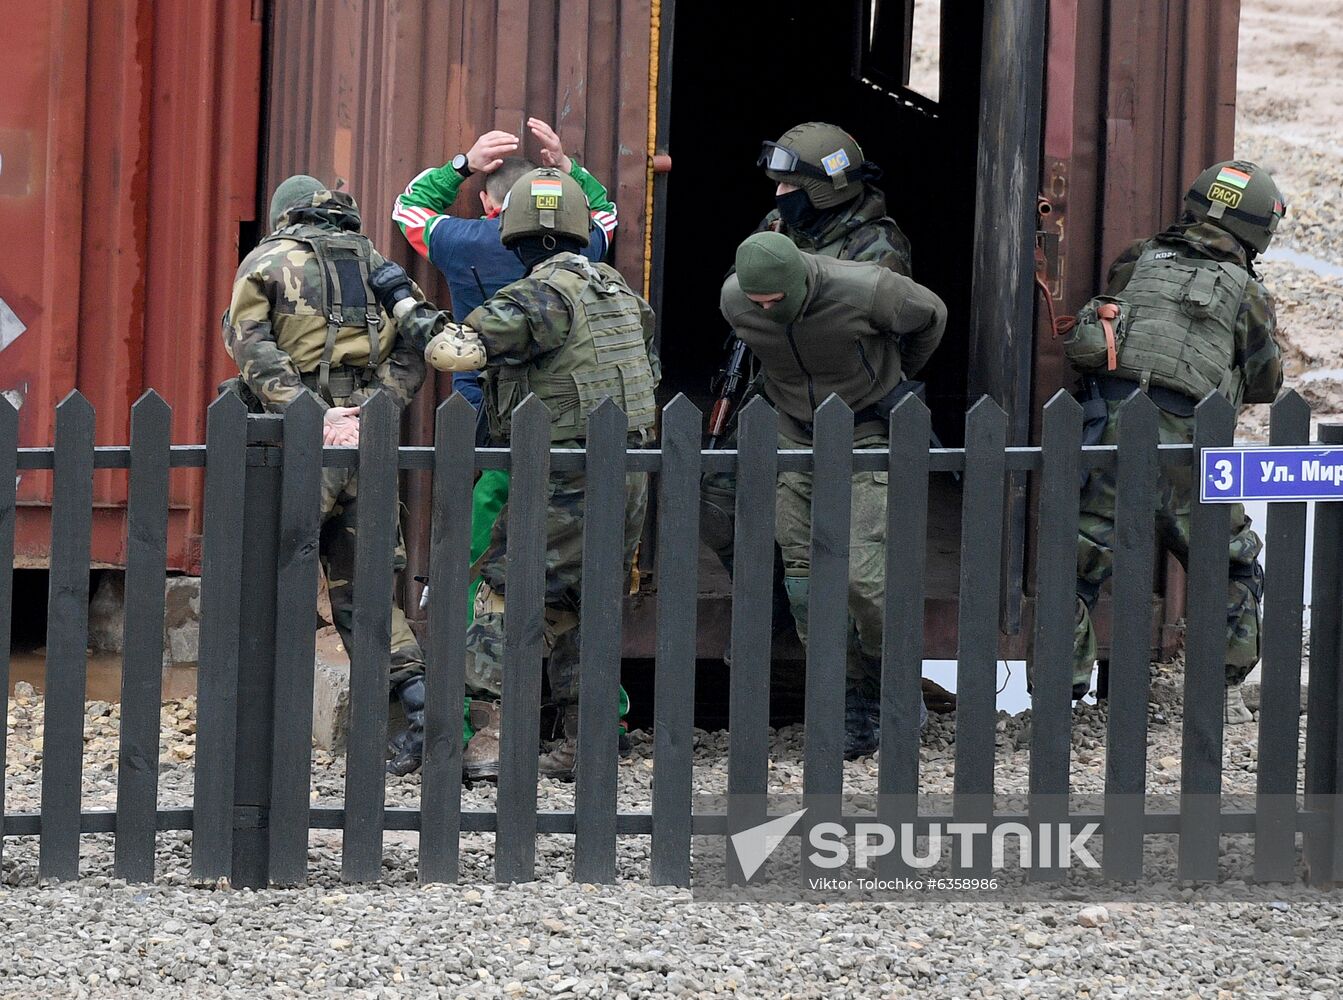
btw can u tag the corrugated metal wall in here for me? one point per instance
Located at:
(374, 91)
(129, 143)
(1140, 97)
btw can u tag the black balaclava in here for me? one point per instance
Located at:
(797, 212)
(533, 250)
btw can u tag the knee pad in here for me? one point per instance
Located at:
(716, 523)
(488, 601)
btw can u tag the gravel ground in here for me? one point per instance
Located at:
(101, 937)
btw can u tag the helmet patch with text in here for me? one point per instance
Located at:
(1227, 196)
(547, 192)
(836, 162)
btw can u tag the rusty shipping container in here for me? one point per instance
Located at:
(1106, 108)
(128, 171)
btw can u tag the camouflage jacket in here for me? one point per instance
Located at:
(275, 327)
(1257, 353)
(861, 231)
(529, 318)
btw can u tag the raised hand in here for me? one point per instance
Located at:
(552, 150)
(489, 151)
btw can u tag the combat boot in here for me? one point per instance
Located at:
(480, 759)
(860, 732)
(406, 749)
(1236, 713)
(560, 760)
(923, 712)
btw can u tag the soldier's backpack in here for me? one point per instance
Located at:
(1173, 326)
(344, 261)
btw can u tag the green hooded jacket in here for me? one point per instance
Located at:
(862, 330)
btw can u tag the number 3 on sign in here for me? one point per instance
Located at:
(1222, 479)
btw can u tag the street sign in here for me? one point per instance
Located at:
(1273, 474)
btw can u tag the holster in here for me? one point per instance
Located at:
(1095, 414)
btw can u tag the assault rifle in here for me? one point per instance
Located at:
(729, 386)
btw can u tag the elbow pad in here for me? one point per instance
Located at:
(455, 348)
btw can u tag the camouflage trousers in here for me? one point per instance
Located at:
(563, 587)
(1177, 490)
(867, 562)
(340, 508)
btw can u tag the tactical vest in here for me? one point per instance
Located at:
(343, 262)
(603, 356)
(1176, 326)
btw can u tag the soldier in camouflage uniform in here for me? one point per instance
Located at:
(825, 200)
(827, 204)
(307, 314)
(1184, 314)
(573, 333)
(820, 326)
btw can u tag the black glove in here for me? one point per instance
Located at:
(391, 284)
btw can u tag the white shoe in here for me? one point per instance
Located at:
(1236, 712)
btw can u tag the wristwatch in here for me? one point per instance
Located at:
(460, 165)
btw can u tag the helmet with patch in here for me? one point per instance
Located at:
(1240, 197)
(544, 202)
(821, 159)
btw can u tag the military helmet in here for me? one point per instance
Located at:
(545, 202)
(821, 159)
(1240, 197)
(292, 192)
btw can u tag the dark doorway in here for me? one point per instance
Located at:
(745, 72)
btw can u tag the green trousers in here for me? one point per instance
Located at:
(867, 562)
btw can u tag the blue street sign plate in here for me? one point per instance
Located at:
(1234, 474)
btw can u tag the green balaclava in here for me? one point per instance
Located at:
(768, 263)
(292, 191)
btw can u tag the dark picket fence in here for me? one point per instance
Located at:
(251, 813)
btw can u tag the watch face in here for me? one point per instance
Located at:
(459, 162)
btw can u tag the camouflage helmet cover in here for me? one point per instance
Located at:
(1240, 197)
(829, 163)
(542, 202)
(291, 192)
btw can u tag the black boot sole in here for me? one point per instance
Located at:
(480, 773)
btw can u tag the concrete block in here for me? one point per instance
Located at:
(1252, 693)
(182, 621)
(107, 610)
(331, 695)
(181, 617)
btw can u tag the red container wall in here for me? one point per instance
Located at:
(129, 138)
